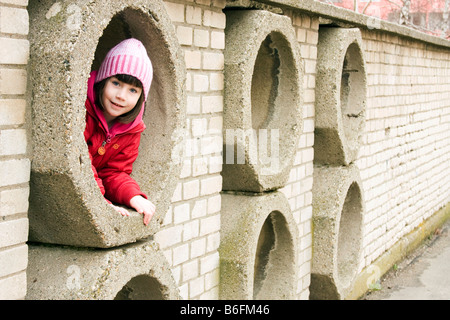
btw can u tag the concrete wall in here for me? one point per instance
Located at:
(385, 177)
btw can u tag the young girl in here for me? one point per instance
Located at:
(115, 105)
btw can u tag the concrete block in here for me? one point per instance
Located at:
(338, 213)
(259, 247)
(341, 104)
(69, 40)
(134, 272)
(263, 84)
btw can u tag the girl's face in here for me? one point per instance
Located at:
(118, 98)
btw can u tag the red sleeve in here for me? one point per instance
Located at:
(118, 185)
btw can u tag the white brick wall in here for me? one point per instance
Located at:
(405, 157)
(190, 235)
(14, 160)
(299, 187)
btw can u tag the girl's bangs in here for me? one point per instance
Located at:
(131, 80)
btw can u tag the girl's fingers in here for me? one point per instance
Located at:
(121, 210)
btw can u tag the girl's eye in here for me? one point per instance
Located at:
(116, 83)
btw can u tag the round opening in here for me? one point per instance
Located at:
(349, 239)
(352, 93)
(265, 81)
(274, 261)
(162, 117)
(142, 287)
(275, 84)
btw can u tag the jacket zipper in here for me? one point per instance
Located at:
(101, 150)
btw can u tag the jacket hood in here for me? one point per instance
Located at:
(95, 111)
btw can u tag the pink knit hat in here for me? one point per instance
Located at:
(128, 57)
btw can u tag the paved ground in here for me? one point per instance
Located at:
(424, 275)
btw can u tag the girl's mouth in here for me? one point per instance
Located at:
(117, 105)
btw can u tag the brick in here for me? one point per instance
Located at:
(181, 213)
(175, 11)
(12, 112)
(13, 287)
(193, 59)
(193, 105)
(180, 254)
(200, 209)
(14, 172)
(212, 104)
(213, 61)
(198, 248)
(13, 81)
(209, 225)
(13, 260)
(201, 83)
(191, 189)
(14, 51)
(199, 127)
(215, 125)
(196, 287)
(211, 185)
(194, 15)
(217, 40)
(214, 19)
(216, 81)
(190, 270)
(200, 166)
(184, 35)
(14, 201)
(209, 263)
(169, 236)
(201, 38)
(22, 3)
(191, 230)
(14, 20)
(13, 232)
(13, 142)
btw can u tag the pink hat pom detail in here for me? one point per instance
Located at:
(128, 57)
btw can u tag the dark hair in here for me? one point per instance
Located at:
(126, 78)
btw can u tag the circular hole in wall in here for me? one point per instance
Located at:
(142, 287)
(274, 260)
(274, 87)
(353, 93)
(154, 165)
(349, 239)
(264, 83)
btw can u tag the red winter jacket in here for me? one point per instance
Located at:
(113, 168)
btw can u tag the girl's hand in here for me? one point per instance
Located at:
(121, 210)
(143, 206)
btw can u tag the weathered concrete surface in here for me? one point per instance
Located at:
(258, 250)
(338, 211)
(68, 39)
(423, 275)
(341, 102)
(263, 83)
(137, 271)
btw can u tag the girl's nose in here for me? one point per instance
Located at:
(120, 94)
